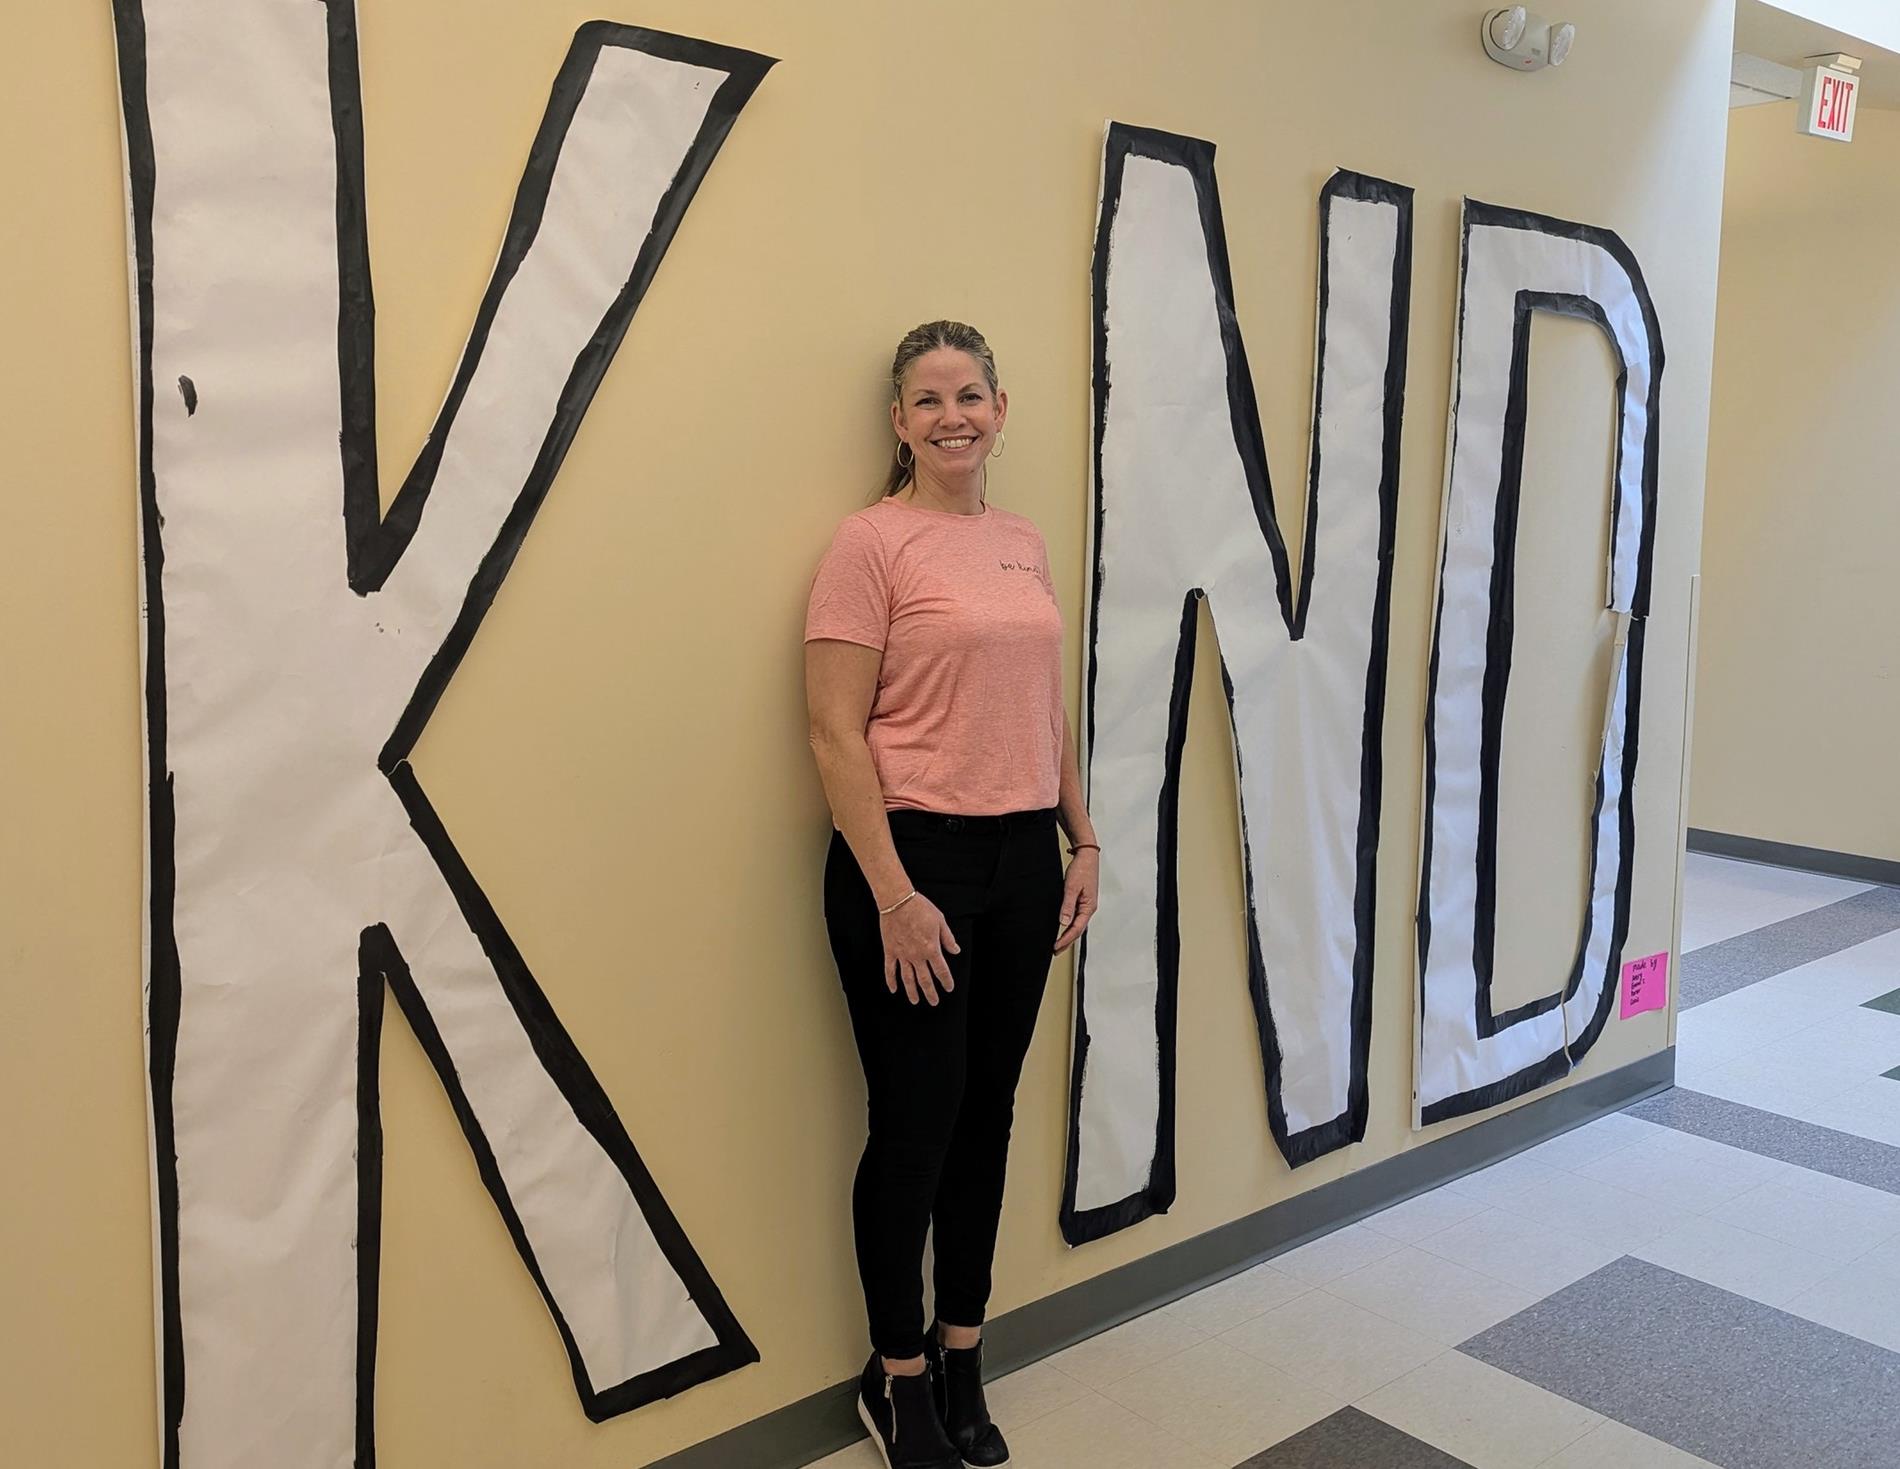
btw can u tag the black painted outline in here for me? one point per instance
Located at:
(375, 544)
(1196, 156)
(1498, 657)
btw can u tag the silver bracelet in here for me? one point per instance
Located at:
(898, 904)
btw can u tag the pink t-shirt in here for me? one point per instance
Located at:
(967, 718)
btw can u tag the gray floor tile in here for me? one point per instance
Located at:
(1893, 1075)
(1890, 1002)
(1352, 1438)
(1825, 1150)
(1733, 964)
(1676, 1359)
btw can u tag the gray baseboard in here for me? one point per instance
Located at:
(826, 1421)
(1787, 854)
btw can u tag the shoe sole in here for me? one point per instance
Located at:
(870, 1427)
(877, 1439)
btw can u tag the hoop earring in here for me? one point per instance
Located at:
(902, 462)
(997, 452)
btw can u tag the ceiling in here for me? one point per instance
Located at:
(1761, 30)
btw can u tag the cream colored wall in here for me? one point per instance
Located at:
(622, 757)
(1798, 690)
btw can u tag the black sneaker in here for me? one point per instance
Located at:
(966, 1417)
(901, 1413)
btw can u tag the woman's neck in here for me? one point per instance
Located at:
(956, 497)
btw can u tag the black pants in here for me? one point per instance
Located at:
(942, 1079)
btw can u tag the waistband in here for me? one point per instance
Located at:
(930, 821)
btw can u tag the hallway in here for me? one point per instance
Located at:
(1710, 1277)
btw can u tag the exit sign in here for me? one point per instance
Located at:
(1828, 99)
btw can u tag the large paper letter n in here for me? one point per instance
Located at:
(1184, 511)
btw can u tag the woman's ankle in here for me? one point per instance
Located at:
(903, 1366)
(958, 1338)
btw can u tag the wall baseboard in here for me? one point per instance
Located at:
(1787, 854)
(826, 1421)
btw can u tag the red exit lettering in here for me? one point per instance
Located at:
(1833, 98)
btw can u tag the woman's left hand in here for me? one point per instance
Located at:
(1081, 890)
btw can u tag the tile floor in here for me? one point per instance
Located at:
(1712, 1277)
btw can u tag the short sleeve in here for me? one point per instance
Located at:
(851, 594)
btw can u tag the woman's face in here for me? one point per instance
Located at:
(947, 413)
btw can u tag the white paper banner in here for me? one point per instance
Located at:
(297, 642)
(1515, 264)
(1183, 510)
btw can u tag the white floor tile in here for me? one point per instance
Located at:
(1689, 1179)
(1858, 1041)
(1332, 1255)
(1827, 1186)
(1883, 1258)
(1602, 1213)
(1742, 1022)
(1124, 1350)
(1831, 1228)
(1031, 1393)
(1862, 1299)
(1869, 1109)
(1223, 1401)
(1737, 1260)
(1474, 1412)
(1239, 1298)
(1333, 1345)
(1722, 897)
(1613, 1445)
(1530, 1255)
(1431, 1295)
(1502, 1182)
(1845, 978)
(1698, 1068)
(1720, 1155)
(1425, 1215)
(1593, 1141)
(1821, 1111)
(859, 1456)
(1760, 1079)
(1098, 1434)
(1701, 1051)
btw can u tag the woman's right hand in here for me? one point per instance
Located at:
(916, 937)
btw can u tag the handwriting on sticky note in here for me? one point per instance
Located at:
(1645, 984)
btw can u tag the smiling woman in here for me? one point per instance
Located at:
(937, 364)
(933, 657)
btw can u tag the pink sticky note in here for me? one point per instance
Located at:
(1645, 984)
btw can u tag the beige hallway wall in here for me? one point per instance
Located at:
(1798, 688)
(622, 757)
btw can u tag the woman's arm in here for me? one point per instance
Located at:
(1081, 886)
(1070, 808)
(840, 682)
